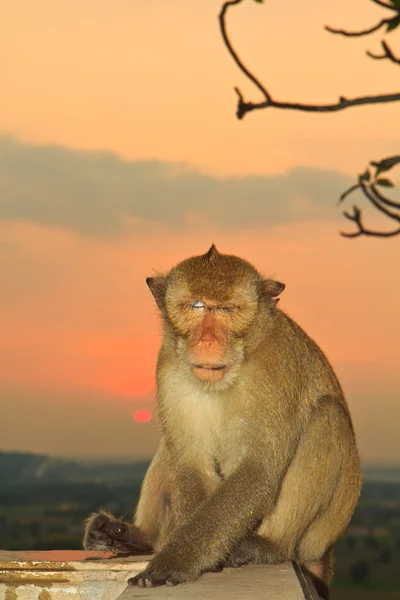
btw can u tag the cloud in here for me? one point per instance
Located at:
(101, 193)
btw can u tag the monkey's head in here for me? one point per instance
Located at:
(211, 307)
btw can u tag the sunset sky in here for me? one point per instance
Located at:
(120, 155)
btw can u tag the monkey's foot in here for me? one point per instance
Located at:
(165, 569)
(147, 580)
(104, 532)
(253, 550)
(156, 577)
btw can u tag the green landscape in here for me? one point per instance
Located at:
(44, 501)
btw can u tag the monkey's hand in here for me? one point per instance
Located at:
(104, 532)
(253, 550)
(169, 567)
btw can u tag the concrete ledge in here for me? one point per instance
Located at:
(62, 575)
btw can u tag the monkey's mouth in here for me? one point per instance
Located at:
(207, 372)
(212, 367)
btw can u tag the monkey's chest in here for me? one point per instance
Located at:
(212, 438)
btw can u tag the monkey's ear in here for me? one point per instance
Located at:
(272, 289)
(157, 287)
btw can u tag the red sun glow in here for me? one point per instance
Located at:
(142, 416)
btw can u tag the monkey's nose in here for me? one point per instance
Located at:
(207, 344)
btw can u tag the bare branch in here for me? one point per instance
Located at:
(322, 108)
(384, 4)
(369, 187)
(383, 198)
(356, 218)
(387, 53)
(235, 56)
(368, 183)
(244, 107)
(375, 202)
(363, 31)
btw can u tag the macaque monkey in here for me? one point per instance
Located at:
(258, 460)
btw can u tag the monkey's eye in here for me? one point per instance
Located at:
(198, 305)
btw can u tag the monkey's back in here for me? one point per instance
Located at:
(291, 358)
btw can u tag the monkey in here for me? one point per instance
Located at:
(258, 461)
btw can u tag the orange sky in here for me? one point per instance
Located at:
(80, 231)
(152, 79)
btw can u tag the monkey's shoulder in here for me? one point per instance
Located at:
(290, 341)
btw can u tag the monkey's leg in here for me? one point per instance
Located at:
(152, 522)
(319, 492)
(154, 515)
(253, 550)
(321, 534)
(217, 522)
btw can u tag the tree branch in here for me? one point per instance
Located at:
(320, 108)
(375, 202)
(234, 54)
(387, 53)
(244, 107)
(363, 31)
(385, 200)
(368, 183)
(367, 186)
(356, 218)
(384, 4)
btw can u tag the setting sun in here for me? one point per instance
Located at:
(142, 416)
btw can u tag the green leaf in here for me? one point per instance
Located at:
(384, 182)
(347, 192)
(383, 168)
(391, 25)
(395, 2)
(365, 176)
(385, 164)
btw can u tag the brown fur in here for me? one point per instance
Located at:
(258, 461)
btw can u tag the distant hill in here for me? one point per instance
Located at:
(382, 473)
(20, 468)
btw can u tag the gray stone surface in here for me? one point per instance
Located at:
(272, 582)
(59, 575)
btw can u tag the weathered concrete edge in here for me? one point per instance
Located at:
(309, 591)
(20, 571)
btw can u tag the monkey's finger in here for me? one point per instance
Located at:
(99, 540)
(171, 582)
(143, 580)
(151, 582)
(135, 580)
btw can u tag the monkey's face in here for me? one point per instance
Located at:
(210, 305)
(211, 337)
(211, 302)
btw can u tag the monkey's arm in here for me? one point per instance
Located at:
(188, 492)
(225, 517)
